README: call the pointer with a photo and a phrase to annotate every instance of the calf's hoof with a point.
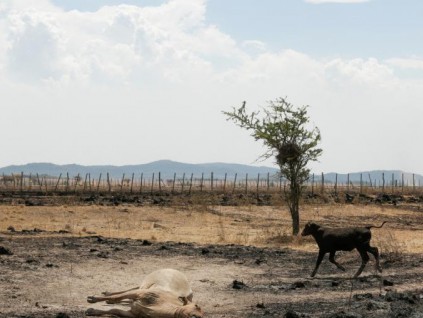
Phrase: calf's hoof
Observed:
(91, 299)
(90, 312)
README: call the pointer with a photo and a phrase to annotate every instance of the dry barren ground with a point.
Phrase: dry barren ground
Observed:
(241, 260)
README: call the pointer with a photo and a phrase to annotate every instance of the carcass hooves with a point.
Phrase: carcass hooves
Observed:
(91, 300)
(90, 312)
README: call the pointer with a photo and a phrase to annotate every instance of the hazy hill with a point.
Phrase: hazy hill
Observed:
(168, 168)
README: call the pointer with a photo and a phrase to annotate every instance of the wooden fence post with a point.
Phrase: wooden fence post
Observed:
(233, 190)
(76, 183)
(67, 182)
(121, 183)
(211, 181)
(108, 182)
(173, 184)
(258, 181)
(22, 177)
(183, 182)
(383, 182)
(402, 182)
(132, 182)
(268, 181)
(160, 182)
(57, 183)
(224, 183)
(190, 183)
(202, 179)
(336, 184)
(99, 182)
(348, 182)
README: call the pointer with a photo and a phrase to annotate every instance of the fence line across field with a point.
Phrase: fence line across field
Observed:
(188, 182)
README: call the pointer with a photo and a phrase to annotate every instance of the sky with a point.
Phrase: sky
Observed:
(121, 82)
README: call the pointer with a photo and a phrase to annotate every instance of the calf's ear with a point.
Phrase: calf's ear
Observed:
(184, 300)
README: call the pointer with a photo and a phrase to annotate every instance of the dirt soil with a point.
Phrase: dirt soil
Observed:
(48, 272)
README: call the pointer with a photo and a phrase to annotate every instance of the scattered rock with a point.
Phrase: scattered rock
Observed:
(260, 305)
(298, 284)
(236, 284)
(11, 229)
(387, 283)
(62, 315)
(205, 251)
(376, 305)
(103, 254)
(362, 296)
(146, 243)
(291, 314)
(5, 251)
(32, 261)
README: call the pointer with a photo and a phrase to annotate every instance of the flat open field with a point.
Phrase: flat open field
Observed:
(241, 260)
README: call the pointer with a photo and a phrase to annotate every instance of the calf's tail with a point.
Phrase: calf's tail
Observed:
(377, 227)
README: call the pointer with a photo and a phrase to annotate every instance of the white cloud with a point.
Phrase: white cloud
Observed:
(406, 63)
(128, 85)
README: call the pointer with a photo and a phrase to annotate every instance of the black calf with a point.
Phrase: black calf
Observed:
(331, 240)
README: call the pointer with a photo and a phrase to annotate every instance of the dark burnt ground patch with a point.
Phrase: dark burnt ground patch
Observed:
(272, 282)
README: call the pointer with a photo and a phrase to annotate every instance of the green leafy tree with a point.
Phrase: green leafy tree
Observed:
(288, 136)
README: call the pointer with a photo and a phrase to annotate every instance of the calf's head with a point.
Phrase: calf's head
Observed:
(310, 228)
(190, 311)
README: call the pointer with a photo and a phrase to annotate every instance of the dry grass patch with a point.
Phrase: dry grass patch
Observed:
(214, 224)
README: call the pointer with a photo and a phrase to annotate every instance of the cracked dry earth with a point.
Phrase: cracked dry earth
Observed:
(48, 275)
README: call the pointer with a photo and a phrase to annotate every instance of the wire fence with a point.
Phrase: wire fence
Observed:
(188, 183)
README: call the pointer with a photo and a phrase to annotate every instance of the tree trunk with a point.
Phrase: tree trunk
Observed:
(294, 202)
(295, 220)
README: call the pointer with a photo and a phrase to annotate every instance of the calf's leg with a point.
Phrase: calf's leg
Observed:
(375, 253)
(364, 259)
(106, 293)
(114, 312)
(332, 260)
(114, 298)
(319, 260)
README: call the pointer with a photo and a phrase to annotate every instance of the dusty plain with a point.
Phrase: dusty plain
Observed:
(241, 259)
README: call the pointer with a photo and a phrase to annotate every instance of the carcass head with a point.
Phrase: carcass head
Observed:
(190, 311)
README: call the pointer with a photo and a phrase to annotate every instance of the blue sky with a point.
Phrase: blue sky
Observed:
(127, 82)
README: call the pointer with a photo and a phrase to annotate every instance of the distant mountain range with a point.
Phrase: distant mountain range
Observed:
(168, 168)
